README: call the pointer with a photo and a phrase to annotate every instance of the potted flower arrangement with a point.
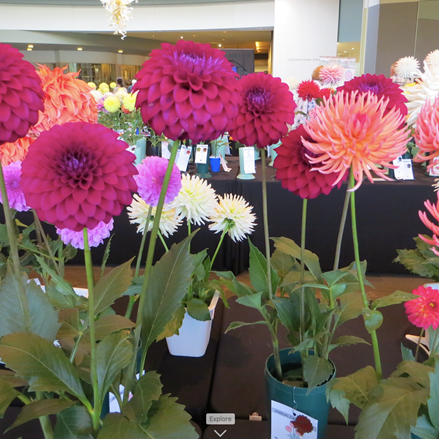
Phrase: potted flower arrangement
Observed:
(75, 176)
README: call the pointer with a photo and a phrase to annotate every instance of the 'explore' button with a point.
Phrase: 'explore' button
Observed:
(220, 418)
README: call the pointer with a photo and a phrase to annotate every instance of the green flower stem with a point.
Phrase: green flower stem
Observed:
(275, 343)
(75, 348)
(218, 247)
(46, 242)
(265, 218)
(133, 299)
(61, 258)
(376, 350)
(163, 242)
(344, 214)
(46, 426)
(189, 228)
(302, 269)
(13, 251)
(148, 264)
(91, 324)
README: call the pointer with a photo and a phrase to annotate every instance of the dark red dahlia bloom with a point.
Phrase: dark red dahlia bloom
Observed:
(302, 425)
(188, 91)
(266, 109)
(308, 90)
(78, 174)
(21, 95)
(294, 170)
(380, 86)
(325, 93)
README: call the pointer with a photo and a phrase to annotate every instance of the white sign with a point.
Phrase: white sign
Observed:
(165, 151)
(182, 159)
(288, 423)
(201, 154)
(404, 171)
(249, 160)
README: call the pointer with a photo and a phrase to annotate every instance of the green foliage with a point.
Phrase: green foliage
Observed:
(73, 423)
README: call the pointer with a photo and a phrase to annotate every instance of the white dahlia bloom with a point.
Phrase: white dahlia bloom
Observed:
(138, 214)
(196, 200)
(432, 59)
(292, 83)
(425, 90)
(407, 67)
(234, 215)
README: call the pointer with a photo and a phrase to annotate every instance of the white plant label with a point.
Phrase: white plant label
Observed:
(182, 158)
(288, 423)
(165, 151)
(404, 171)
(249, 159)
(201, 154)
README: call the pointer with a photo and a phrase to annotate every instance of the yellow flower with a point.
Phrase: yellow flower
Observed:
(103, 87)
(129, 101)
(113, 85)
(92, 85)
(112, 104)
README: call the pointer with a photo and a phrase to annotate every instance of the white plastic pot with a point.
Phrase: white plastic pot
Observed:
(194, 335)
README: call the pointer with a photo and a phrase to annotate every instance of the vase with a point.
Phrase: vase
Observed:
(140, 150)
(194, 335)
(313, 403)
(215, 164)
(242, 175)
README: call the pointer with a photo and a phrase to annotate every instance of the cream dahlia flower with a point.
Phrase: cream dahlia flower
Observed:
(233, 215)
(138, 214)
(407, 67)
(121, 93)
(196, 200)
(292, 83)
(432, 59)
(425, 90)
(96, 94)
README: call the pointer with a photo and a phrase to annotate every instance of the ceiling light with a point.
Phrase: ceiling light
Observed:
(225, 32)
(181, 37)
(29, 49)
(345, 51)
(79, 48)
(353, 48)
(219, 45)
(30, 45)
(194, 35)
(120, 51)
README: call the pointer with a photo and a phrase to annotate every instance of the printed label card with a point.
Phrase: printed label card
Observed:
(166, 154)
(249, 159)
(288, 423)
(201, 154)
(182, 159)
(404, 171)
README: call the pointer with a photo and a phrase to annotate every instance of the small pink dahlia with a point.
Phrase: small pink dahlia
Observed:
(21, 95)
(308, 90)
(150, 180)
(434, 211)
(187, 91)
(296, 172)
(78, 174)
(96, 236)
(266, 110)
(12, 174)
(332, 74)
(424, 311)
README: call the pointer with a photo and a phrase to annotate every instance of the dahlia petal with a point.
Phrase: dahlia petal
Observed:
(197, 99)
(180, 94)
(214, 106)
(61, 211)
(167, 84)
(201, 116)
(184, 109)
(5, 112)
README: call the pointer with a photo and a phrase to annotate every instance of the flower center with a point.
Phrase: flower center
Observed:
(76, 167)
(370, 86)
(14, 184)
(257, 99)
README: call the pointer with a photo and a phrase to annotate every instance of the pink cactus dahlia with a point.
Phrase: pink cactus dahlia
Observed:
(427, 132)
(267, 107)
(352, 129)
(78, 174)
(434, 211)
(21, 95)
(187, 91)
(424, 310)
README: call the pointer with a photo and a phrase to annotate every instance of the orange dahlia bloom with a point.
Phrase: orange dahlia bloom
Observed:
(67, 99)
(16, 151)
(427, 133)
(352, 130)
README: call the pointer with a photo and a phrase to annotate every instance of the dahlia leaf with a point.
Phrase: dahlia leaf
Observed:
(169, 281)
(258, 272)
(292, 280)
(198, 309)
(392, 299)
(107, 325)
(36, 409)
(392, 410)
(73, 423)
(252, 301)
(338, 401)
(235, 325)
(38, 360)
(282, 263)
(7, 395)
(417, 371)
(351, 306)
(372, 319)
(43, 318)
(146, 390)
(347, 340)
(174, 324)
(61, 285)
(332, 277)
(288, 311)
(316, 371)
(111, 286)
(113, 353)
(407, 354)
(425, 429)
(106, 255)
(239, 289)
(311, 260)
(433, 400)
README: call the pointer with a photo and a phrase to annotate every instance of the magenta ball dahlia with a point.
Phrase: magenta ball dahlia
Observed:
(380, 86)
(187, 91)
(296, 172)
(267, 107)
(21, 95)
(78, 174)
(150, 180)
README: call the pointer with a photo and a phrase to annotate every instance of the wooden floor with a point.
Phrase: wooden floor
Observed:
(384, 284)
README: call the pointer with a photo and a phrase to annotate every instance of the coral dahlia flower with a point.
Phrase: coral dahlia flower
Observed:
(187, 91)
(266, 109)
(427, 132)
(78, 174)
(66, 99)
(434, 211)
(352, 130)
(423, 312)
(295, 171)
(380, 86)
(308, 90)
(21, 95)
(13, 152)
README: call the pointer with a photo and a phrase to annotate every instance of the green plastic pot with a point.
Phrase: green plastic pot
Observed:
(313, 404)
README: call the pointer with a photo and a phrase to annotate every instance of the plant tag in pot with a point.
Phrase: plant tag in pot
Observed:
(249, 160)
(182, 158)
(287, 423)
(201, 154)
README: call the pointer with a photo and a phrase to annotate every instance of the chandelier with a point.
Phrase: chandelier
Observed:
(119, 12)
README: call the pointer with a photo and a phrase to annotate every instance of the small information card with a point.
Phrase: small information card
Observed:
(201, 154)
(166, 154)
(404, 171)
(182, 159)
(288, 423)
(249, 159)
